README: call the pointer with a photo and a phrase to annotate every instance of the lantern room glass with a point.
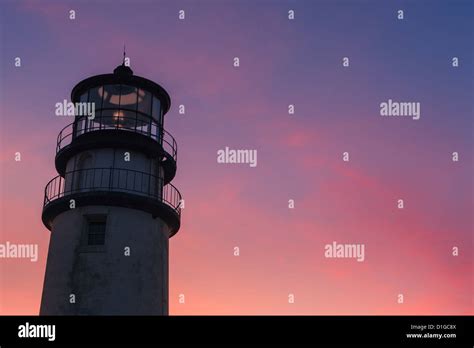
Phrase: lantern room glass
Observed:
(122, 106)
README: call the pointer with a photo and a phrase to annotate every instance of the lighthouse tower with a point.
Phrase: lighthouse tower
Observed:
(112, 209)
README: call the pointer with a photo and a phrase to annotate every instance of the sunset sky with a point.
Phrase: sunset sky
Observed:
(407, 251)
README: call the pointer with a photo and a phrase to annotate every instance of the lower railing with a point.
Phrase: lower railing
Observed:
(114, 180)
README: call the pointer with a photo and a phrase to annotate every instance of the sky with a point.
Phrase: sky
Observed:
(408, 251)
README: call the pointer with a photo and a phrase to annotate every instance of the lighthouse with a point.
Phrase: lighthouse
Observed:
(112, 208)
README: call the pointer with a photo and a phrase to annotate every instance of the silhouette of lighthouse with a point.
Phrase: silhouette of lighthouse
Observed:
(112, 209)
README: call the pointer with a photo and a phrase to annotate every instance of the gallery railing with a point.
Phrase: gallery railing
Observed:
(137, 123)
(112, 180)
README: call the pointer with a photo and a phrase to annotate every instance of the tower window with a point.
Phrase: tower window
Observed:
(96, 233)
(94, 228)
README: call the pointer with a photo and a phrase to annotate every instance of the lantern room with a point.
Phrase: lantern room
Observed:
(121, 100)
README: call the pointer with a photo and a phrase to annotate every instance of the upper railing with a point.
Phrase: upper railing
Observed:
(138, 123)
(112, 180)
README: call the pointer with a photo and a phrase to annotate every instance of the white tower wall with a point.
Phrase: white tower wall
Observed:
(101, 276)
